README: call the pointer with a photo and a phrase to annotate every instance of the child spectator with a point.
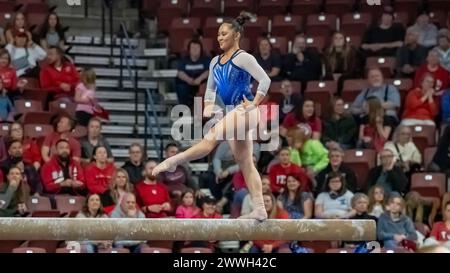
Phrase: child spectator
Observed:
(360, 203)
(85, 96)
(297, 203)
(394, 228)
(273, 212)
(209, 209)
(375, 127)
(8, 76)
(440, 233)
(119, 186)
(305, 114)
(377, 201)
(335, 201)
(99, 173)
(52, 33)
(187, 209)
(152, 196)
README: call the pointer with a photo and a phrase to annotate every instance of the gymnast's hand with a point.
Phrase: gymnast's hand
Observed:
(248, 105)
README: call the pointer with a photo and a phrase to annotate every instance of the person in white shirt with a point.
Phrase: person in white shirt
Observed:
(428, 32)
(443, 48)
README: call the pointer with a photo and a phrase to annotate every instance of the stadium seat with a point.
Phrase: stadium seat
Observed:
(340, 250)
(396, 250)
(423, 136)
(196, 250)
(25, 106)
(374, 10)
(61, 106)
(318, 42)
(46, 214)
(403, 86)
(352, 88)
(207, 43)
(37, 130)
(284, 250)
(35, 20)
(338, 7)
(428, 156)
(429, 184)
(409, 6)
(254, 29)
(317, 246)
(150, 7)
(355, 23)
(360, 161)
(402, 18)
(354, 40)
(4, 129)
(7, 9)
(7, 246)
(321, 92)
(205, 8)
(79, 132)
(320, 24)
(211, 27)
(439, 17)
(37, 118)
(168, 10)
(36, 203)
(69, 204)
(234, 7)
(114, 250)
(275, 87)
(386, 65)
(180, 30)
(49, 246)
(439, 5)
(155, 250)
(286, 25)
(28, 250)
(305, 7)
(270, 7)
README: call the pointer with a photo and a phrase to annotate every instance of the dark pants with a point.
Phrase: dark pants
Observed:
(186, 93)
(83, 117)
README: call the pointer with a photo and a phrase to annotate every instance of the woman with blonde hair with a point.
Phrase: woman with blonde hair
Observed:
(119, 187)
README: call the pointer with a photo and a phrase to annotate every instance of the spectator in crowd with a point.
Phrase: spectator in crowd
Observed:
(181, 179)
(308, 153)
(299, 204)
(247, 205)
(388, 175)
(440, 233)
(290, 100)
(305, 114)
(383, 39)
(406, 154)
(62, 174)
(19, 25)
(187, 208)
(135, 164)
(8, 76)
(427, 31)
(2, 37)
(13, 194)
(411, 55)
(99, 173)
(209, 211)
(273, 212)
(153, 197)
(31, 152)
(393, 226)
(433, 66)
(441, 159)
(127, 208)
(341, 60)
(25, 54)
(192, 72)
(386, 93)
(52, 33)
(85, 96)
(443, 48)
(377, 201)
(15, 159)
(360, 203)
(303, 64)
(336, 159)
(63, 127)
(119, 186)
(375, 127)
(422, 211)
(59, 76)
(335, 201)
(93, 208)
(7, 110)
(93, 139)
(339, 127)
(420, 105)
(445, 107)
(278, 172)
(269, 60)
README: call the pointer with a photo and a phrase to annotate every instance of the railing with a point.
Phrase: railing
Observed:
(148, 124)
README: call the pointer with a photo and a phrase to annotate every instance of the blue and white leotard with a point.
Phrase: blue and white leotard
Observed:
(231, 80)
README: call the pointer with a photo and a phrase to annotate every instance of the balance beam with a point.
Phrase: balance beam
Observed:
(168, 229)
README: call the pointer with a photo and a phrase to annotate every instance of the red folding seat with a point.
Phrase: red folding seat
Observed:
(429, 184)
(360, 161)
(61, 106)
(28, 250)
(286, 25)
(305, 7)
(37, 130)
(428, 156)
(352, 88)
(443, 5)
(205, 8)
(386, 65)
(320, 24)
(409, 6)
(318, 42)
(25, 106)
(271, 7)
(234, 7)
(180, 30)
(355, 23)
(255, 29)
(320, 92)
(168, 10)
(424, 136)
(4, 129)
(438, 17)
(338, 7)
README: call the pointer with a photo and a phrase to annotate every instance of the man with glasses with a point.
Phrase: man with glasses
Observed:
(135, 166)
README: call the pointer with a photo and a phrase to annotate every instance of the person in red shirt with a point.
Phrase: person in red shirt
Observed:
(59, 76)
(31, 150)
(434, 67)
(209, 209)
(274, 212)
(152, 196)
(63, 175)
(440, 233)
(278, 173)
(8, 75)
(420, 107)
(99, 173)
(63, 127)
(306, 114)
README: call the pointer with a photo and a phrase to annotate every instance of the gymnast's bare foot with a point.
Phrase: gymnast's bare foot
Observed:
(165, 166)
(257, 214)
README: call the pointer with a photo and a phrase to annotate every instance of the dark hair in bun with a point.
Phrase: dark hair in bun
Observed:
(237, 24)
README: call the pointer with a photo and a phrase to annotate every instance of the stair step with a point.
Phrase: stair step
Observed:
(101, 51)
(114, 83)
(129, 119)
(97, 41)
(118, 95)
(85, 60)
(128, 130)
(128, 106)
